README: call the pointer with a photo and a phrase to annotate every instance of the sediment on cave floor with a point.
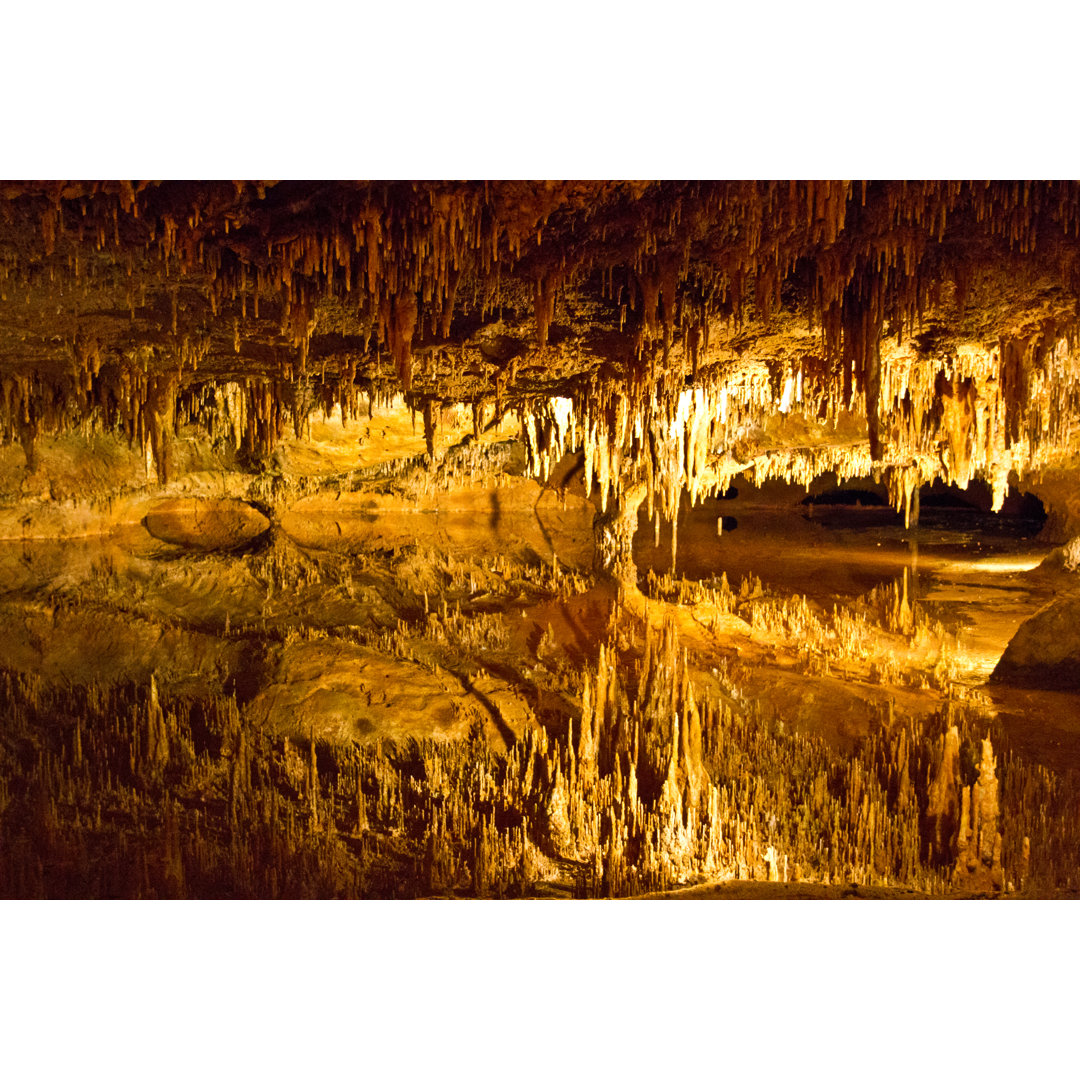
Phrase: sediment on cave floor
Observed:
(538, 540)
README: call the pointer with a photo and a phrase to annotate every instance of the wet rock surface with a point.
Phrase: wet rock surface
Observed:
(1045, 653)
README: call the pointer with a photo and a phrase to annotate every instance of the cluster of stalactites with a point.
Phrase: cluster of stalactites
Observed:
(676, 254)
(253, 415)
(983, 413)
(126, 397)
(947, 418)
(149, 393)
(145, 406)
(682, 251)
(667, 440)
(248, 415)
(398, 251)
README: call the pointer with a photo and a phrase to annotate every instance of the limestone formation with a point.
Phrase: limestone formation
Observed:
(1046, 650)
(451, 538)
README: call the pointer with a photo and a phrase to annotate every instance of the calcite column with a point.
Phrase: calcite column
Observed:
(160, 419)
(613, 531)
(26, 428)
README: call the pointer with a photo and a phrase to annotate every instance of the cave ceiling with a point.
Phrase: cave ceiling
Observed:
(677, 332)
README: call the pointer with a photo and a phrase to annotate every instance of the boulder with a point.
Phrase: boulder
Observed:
(205, 524)
(1045, 652)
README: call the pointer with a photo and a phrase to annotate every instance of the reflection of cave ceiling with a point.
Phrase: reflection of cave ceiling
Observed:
(678, 332)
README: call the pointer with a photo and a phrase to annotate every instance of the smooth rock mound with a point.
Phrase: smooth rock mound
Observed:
(205, 524)
(1044, 653)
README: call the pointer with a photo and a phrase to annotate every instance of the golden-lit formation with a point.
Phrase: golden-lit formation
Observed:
(538, 538)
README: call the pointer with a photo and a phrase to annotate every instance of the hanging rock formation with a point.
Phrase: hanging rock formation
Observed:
(944, 314)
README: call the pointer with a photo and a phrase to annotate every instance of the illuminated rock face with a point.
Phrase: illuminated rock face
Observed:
(1045, 653)
(368, 465)
(943, 314)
